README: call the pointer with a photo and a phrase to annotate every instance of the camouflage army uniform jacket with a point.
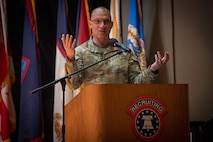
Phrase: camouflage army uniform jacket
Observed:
(120, 69)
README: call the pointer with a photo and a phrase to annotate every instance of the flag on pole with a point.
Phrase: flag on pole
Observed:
(30, 116)
(82, 35)
(60, 72)
(7, 78)
(135, 35)
(116, 18)
(82, 31)
(82, 28)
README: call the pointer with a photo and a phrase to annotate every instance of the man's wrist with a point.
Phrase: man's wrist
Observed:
(153, 71)
(70, 60)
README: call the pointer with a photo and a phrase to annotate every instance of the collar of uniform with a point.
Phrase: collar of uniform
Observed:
(97, 49)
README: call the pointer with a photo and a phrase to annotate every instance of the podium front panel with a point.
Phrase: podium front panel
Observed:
(99, 113)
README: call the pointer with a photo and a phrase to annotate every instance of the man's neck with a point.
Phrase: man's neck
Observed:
(104, 43)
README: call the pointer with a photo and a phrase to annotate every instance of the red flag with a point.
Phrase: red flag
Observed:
(7, 77)
(82, 30)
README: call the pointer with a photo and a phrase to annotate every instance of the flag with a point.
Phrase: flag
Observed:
(115, 16)
(7, 77)
(82, 29)
(135, 35)
(82, 34)
(30, 115)
(60, 72)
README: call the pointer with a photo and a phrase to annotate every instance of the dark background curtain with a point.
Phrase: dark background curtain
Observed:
(46, 11)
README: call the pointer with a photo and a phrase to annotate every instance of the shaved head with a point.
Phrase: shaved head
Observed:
(100, 9)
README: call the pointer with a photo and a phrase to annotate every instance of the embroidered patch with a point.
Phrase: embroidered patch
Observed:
(25, 63)
(147, 113)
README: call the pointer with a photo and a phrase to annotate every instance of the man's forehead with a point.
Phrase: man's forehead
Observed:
(99, 12)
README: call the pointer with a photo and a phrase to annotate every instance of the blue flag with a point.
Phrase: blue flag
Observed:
(135, 35)
(30, 116)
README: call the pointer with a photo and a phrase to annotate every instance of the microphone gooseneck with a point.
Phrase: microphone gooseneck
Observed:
(114, 42)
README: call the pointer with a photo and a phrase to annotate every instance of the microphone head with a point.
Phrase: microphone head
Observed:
(112, 42)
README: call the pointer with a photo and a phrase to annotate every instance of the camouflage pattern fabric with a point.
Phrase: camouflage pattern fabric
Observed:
(120, 69)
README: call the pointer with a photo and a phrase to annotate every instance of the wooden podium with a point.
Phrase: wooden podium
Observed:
(99, 113)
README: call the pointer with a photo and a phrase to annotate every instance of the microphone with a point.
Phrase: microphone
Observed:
(114, 43)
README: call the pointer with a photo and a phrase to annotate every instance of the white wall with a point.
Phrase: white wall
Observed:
(189, 42)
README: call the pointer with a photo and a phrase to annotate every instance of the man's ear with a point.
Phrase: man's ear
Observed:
(90, 24)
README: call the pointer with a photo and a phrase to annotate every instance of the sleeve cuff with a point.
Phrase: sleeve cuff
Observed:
(155, 72)
(70, 60)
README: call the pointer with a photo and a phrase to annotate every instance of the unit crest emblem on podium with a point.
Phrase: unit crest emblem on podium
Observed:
(147, 113)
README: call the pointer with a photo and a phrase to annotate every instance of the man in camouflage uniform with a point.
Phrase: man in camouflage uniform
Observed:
(120, 69)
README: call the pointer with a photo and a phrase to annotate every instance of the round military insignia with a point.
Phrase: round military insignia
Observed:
(147, 115)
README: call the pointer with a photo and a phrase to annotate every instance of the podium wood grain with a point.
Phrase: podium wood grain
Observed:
(99, 113)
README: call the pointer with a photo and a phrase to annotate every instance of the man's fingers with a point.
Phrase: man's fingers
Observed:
(73, 43)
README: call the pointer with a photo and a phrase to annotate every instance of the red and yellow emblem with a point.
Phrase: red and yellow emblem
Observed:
(147, 113)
